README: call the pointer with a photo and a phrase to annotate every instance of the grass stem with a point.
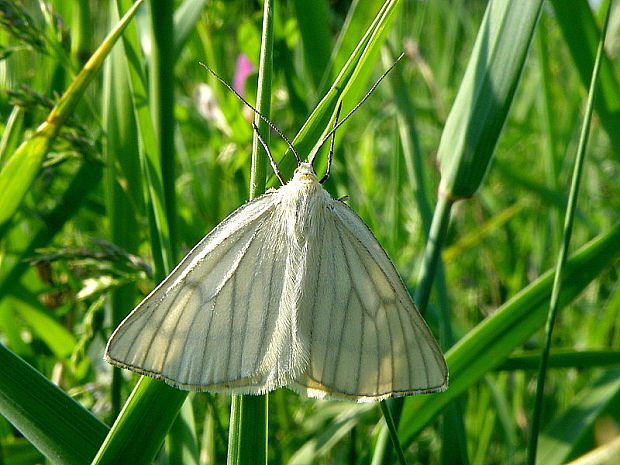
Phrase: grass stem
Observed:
(563, 253)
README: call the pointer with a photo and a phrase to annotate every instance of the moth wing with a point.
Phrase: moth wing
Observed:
(208, 324)
(366, 340)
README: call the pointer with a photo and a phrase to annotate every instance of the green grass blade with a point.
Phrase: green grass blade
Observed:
(11, 134)
(258, 175)
(566, 237)
(563, 359)
(391, 426)
(360, 16)
(57, 338)
(247, 443)
(312, 18)
(571, 433)
(488, 345)
(126, 437)
(161, 99)
(360, 60)
(485, 95)
(59, 427)
(20, 171)
(122, 179)
(581, 34)
(152, 407)
(181, 442)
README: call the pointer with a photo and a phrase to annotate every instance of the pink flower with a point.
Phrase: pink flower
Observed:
(242, 70)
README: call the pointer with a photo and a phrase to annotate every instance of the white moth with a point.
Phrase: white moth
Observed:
(292, 289)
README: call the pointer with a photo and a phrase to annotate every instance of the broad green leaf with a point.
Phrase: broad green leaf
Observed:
(64, 431)
(313, 22)
(485, 95)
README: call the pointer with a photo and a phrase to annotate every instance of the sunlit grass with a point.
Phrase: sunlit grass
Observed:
(90, 237)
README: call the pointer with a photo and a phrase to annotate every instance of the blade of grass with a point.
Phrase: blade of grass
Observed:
(59, 427)
(581, 34)
(161, 100)
(21, 169)
(313, 22)
(570, 434)
(563, 359)
(11, 134)
(121, 182)
(359, 61)
(247, 440)
(359, 18)
(490, 343)
(485, 95)
(566, 237)
(473, 128)
(181, 442)
(153, 405)
(57, 338)
(161, 93)
(391, 426)
(126, 441)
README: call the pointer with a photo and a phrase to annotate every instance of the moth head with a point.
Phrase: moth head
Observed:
(305, 174)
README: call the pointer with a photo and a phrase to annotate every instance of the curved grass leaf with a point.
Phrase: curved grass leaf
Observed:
(485, 95)
(490, 343)
(64, 431)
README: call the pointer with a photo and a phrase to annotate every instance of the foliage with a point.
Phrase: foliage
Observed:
(153, 152)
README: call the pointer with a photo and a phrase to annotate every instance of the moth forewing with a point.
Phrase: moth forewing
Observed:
(292, 289)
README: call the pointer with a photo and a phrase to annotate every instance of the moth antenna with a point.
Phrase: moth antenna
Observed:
(260, 115)
(274, 166)
(331, 147)
(359, 104)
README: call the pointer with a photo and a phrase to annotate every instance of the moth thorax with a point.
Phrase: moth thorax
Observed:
(302, 210)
